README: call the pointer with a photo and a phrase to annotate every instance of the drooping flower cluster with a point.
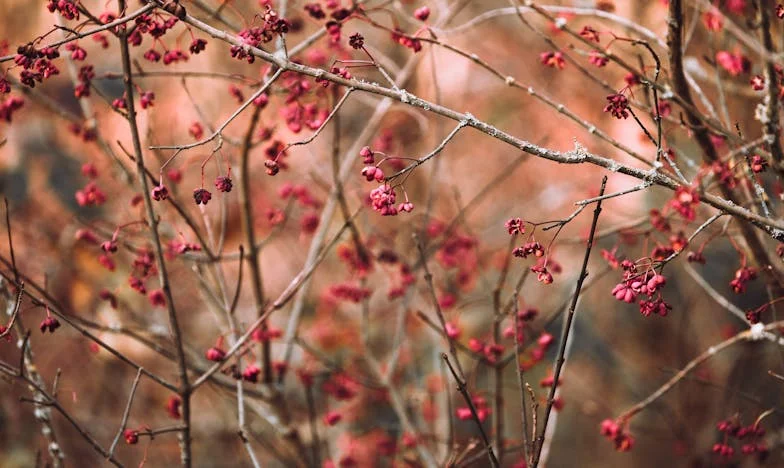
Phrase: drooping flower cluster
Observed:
(68, 8)
(742, 276)
(159, 192)
(529, 248)
(617, 105)
(36, 64)
(201, 196)
(49, 324)
(646, 283)
(382, 199)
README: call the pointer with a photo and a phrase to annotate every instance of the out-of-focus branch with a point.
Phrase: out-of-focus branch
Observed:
(772, 106)
(759, 331)
(184, 389)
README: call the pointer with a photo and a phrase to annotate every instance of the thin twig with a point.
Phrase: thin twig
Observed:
(461, 387)
(152, 219)
(127, 411)
(559, 360)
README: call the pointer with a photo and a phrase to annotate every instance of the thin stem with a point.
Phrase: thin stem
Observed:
(127, 411)
(752, 334)
(184, 390)
(256, 281)
(461, 387)
(560, 359)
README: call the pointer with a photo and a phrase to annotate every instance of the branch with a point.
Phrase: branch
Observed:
(774, 228)
(461, 387)
(106, 26)
(757, 332)
(559, 360)
(127, 411)
(184, 390)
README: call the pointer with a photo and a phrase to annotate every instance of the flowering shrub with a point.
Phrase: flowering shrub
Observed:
(282, 233)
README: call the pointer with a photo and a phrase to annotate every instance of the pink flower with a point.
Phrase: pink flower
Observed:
(624, 292)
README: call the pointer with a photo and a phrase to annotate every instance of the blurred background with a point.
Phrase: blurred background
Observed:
(616, 356)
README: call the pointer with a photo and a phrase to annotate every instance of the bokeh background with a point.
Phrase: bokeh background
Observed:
(617, 356)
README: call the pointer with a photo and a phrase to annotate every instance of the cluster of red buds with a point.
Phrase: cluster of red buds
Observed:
(616, 433)
(422, 13)
(253, 37)
(90, 195)
(332, 418)
(721, 170)
(251, 373)
(543, 275)
(36, 64)
(598, 59)
(735, 63)
(68, 8)
(382, 199)
(262, 335)
(480, 405)
(407, 41)
(755, 315)
(349, 292)
(529, 248)
(491, 351)
(750, 438)
(685, 202)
